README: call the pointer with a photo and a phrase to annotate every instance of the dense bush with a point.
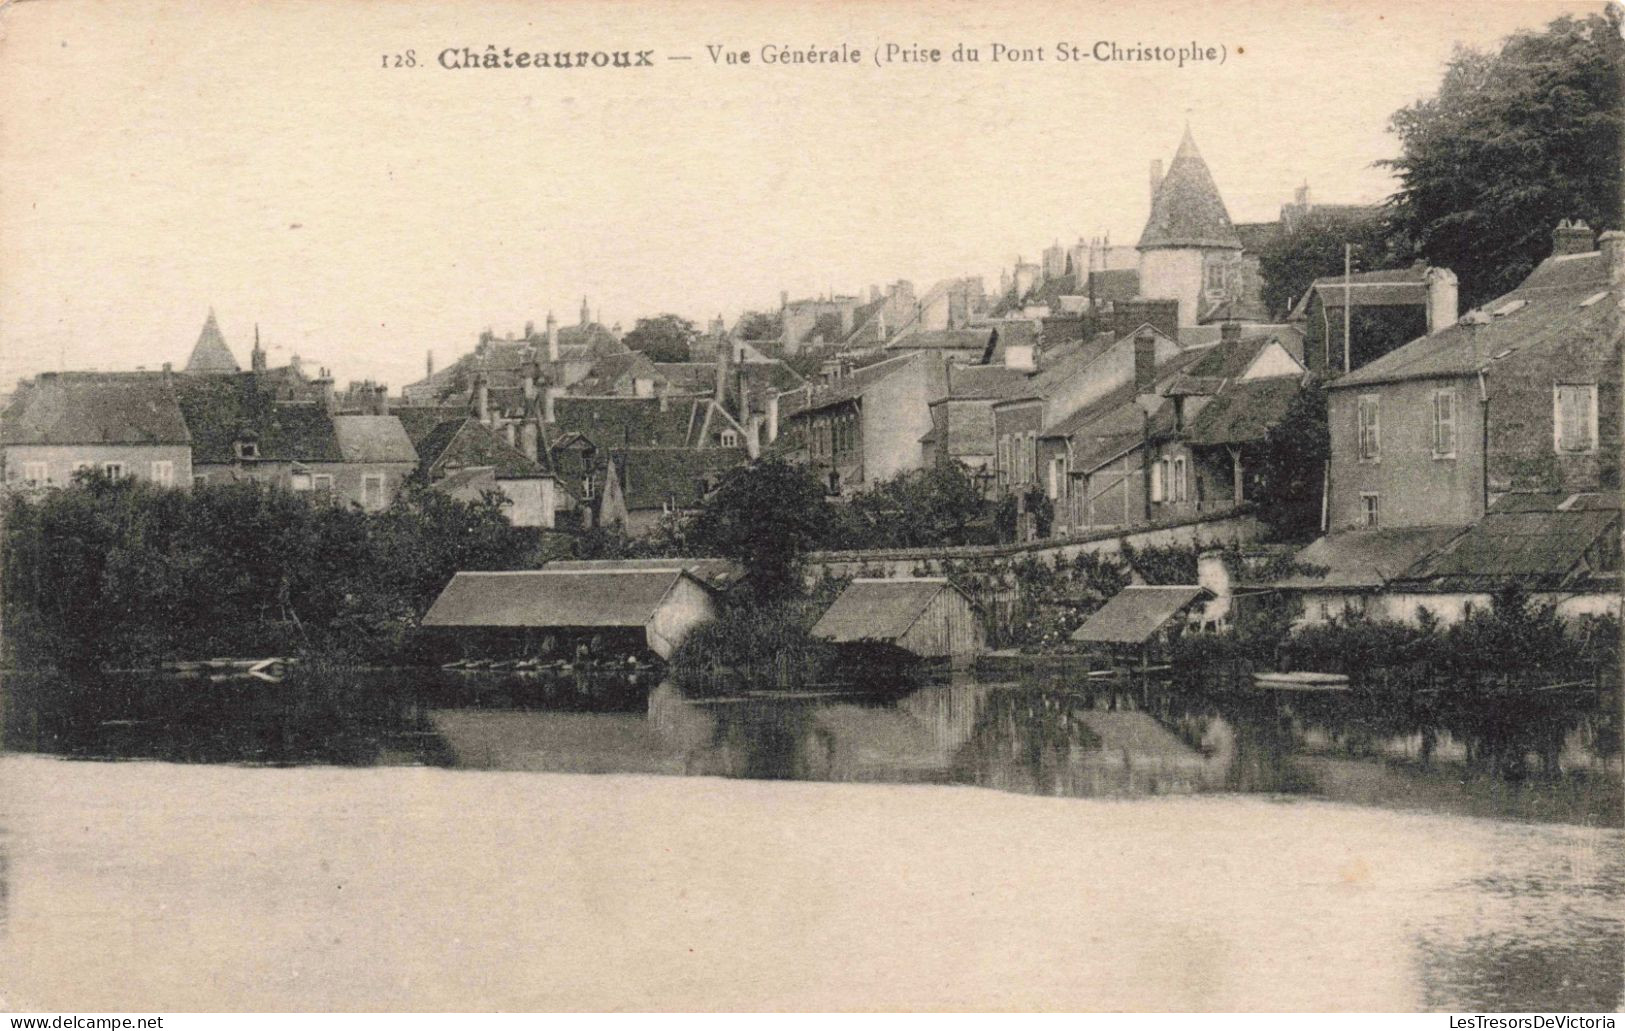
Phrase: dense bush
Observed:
(123, 574)
(759, 645)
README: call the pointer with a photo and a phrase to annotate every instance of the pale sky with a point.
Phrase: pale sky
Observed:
(160, 158)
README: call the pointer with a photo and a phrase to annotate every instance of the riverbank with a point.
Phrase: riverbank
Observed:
(150, 886)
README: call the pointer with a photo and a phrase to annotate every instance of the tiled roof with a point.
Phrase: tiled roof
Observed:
(373, 438)
(612, 422)
(1537, 549)
(608, 370)
(719, 573)
(553, 598)
(1134, 614)
(467, 442)
(95, 408)
(1116, 423)
(654, 477)
(222, 410)
(1187, 210)
(1244, 412)
(984, 381)
(878, 610)
(420, 421)
(1366, 558)
(1114, 284)
(1553, 315)
(210, 353)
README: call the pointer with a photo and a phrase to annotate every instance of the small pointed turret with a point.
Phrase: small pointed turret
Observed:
(210, 353)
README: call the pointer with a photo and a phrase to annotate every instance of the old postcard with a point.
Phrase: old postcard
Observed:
(900, 506)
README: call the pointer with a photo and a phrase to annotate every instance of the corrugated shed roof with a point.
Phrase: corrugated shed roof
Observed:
(222, 410)
(1187, 210)
(1134, 614)
(1535, 549)
(95, 408)
(1244, 412)
(878, 610)
(549, 598)
(210, 353)
(1367, 558)
(1551, 317)
(373, 438)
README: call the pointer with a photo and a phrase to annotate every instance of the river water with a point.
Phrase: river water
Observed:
(412, 841)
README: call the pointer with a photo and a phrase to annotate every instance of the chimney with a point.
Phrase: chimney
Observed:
(1572, 238)
(742, 384)
(482, 398)
(753, 437)
(552, 338)
(724, 360)
(528, 434)
(784, 299)
(533, 372)
(586, 317)
(380, 400)
(1156, 177)
(1443, 309)
(547, 403)
(1145, 362)
(428, 364)
(772, 422)
(1229, 332)
(324, 389)
(1613, 255)
(1020, 357)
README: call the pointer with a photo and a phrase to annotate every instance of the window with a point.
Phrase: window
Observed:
(372, 491)
(322, 483)
(1444, 423)
(1159, 480)
(1369, 428)
(730, 438)
(36, 473)
(1180, 487)
(247, 449)
(114, 470)
(1370, 511)
(1004, 459)
(1215, 275)
(299, 481)
(1574, 417)
(1032, 457)
(163, 474)
(1057, 478)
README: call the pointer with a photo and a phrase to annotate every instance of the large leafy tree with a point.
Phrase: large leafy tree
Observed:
(1513, 142)
(1293, 260)
(664, 338)
(767, 516)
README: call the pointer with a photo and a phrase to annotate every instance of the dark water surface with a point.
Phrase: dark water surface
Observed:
(1473, 838)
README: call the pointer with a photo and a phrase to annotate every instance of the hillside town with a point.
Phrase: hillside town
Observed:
(1102, 392)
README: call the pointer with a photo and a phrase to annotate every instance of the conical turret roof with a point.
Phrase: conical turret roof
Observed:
(1187, 210)
(211, 354)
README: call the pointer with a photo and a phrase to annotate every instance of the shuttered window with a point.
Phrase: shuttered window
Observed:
(1369, 428)
(1574, 417)
(1444, 423)
(1159, 479)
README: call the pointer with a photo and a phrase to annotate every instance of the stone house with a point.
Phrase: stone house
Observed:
(1520, 396)
(122, 424)
(461, 456)
(865, 425)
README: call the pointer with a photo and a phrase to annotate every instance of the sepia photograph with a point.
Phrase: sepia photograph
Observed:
(909, 507)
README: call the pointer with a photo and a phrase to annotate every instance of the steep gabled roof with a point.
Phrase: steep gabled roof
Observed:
(1244, 412)
(222, 410)
(373, 438)
(654, 477)
(95, 408)
(1187, 210)
(1566, 300)
(210, 353)
(467, 442)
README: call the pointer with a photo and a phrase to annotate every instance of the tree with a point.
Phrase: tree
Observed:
(760, 325)
(664, 338)
(1291, 261)
(766, 516)
(1291, 466)
(935, 507)
(1513, 142)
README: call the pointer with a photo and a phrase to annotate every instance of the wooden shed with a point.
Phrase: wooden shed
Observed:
(622, 608)
(925, 617)
(1137, 620)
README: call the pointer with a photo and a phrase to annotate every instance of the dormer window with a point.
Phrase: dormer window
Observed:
(248, 449)
(730, 438)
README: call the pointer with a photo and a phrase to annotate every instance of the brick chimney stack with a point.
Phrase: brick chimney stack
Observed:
(1572, 238)
(1444, 308)
(1145, 362)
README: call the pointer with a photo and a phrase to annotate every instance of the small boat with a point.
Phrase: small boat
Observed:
(1301, 681)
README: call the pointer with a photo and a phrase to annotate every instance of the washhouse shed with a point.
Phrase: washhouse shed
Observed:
(1140, 621)
(609, 610)
(926, 617)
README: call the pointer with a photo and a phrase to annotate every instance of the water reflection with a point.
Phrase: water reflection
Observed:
(1545, 757)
